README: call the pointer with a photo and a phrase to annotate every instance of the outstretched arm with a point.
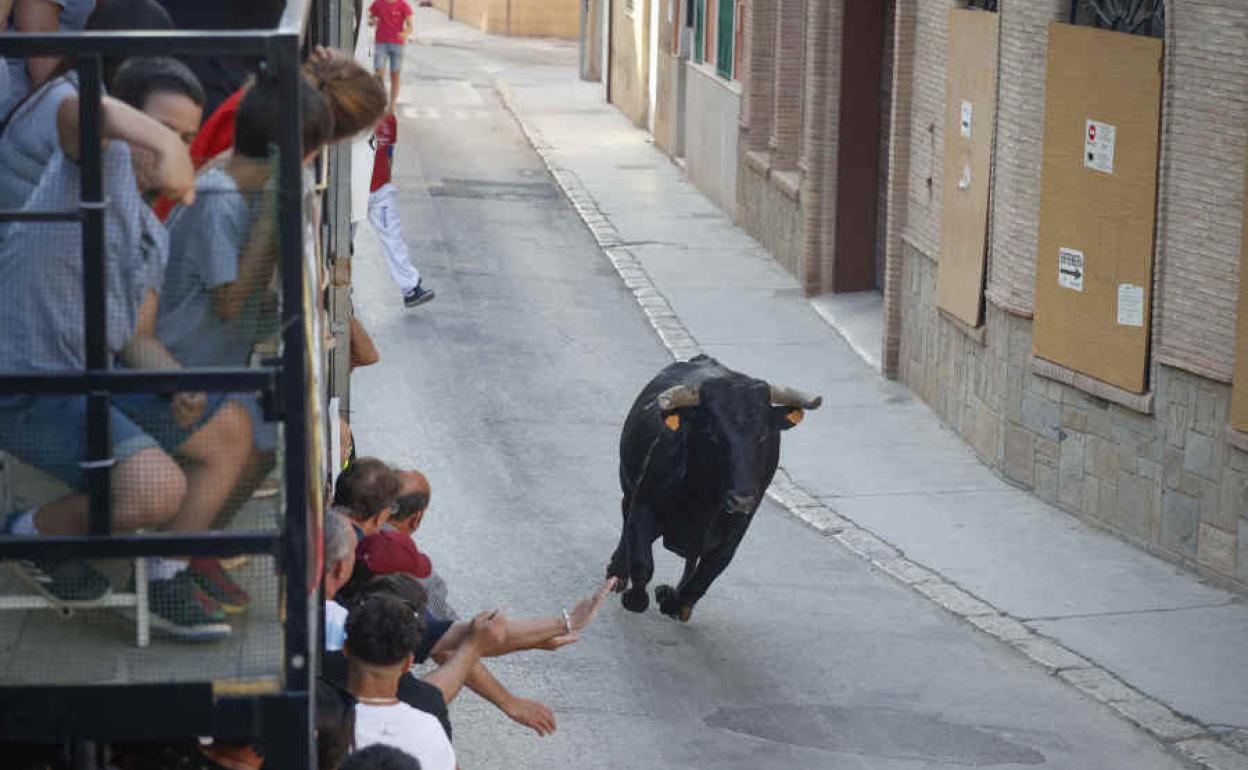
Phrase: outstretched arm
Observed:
(485, 632)
(548, 633)
(530, 713)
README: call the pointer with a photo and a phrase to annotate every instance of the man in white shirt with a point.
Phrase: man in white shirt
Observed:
(382, 631)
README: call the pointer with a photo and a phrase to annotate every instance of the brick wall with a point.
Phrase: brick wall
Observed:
(1015, 216)
(1206, 135)
(1165, 479)
(927, 130)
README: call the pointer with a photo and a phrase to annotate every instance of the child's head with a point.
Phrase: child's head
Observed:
(356, 96)
(256, 126)
(165, 89)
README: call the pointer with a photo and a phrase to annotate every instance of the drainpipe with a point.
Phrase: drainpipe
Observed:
(818, 95)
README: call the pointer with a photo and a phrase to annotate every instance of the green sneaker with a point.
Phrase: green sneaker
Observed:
(178, 608)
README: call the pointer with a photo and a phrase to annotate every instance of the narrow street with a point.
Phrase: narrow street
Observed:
(509, 391)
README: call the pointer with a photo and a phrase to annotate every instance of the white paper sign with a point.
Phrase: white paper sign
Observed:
(1130, 305)
(1098, 146)
(1070, 269)
(965, 121)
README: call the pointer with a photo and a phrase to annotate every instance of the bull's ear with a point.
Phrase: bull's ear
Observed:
(672, 421)
(785, 417)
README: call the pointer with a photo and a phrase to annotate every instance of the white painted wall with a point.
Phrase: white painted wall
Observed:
(712, 107)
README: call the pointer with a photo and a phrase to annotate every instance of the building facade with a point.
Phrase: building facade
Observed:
(1052, 215)
(524, 18)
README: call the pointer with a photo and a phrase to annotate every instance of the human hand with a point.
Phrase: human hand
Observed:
(489, 632)
(188, 408)
(324, 54)
(533, 715)
(167, 168)
(583, 612)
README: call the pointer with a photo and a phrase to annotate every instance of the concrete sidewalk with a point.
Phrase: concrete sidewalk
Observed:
(875, 468)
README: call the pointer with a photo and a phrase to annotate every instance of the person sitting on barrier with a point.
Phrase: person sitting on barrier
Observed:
(394, 548)
(213, 302)
(428, 696)
(382, 632)
(28, 133)
(42, 311)
(368, 493)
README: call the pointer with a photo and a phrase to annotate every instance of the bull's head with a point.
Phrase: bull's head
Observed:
(740, 419)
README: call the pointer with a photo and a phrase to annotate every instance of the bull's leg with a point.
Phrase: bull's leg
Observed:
(666, 596)
(709, 567)
(640, 532)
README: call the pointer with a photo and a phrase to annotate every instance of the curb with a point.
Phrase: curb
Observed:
(1188, 738)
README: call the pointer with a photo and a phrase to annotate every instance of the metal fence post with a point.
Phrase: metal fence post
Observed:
(99, 462)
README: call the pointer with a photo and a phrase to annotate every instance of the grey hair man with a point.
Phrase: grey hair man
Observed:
(340, 542)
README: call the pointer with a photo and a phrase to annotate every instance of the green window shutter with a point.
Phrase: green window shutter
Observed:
(699, 30)
(726, 32)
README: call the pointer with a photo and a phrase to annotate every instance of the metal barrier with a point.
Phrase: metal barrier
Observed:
(278, 715)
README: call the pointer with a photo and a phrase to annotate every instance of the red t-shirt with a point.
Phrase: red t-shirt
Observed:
(384, 137)
(390, 17)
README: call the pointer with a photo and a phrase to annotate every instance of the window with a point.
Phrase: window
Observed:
(1145, 17)
(725, 37)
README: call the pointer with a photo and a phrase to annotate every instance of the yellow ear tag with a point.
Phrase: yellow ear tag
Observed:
(672, 421)
(796, 416)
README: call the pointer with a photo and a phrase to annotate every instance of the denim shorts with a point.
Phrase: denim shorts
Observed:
(388, 52)
(154, 414)
(50, 433)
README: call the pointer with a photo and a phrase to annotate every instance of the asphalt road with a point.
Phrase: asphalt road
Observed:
(509, 391)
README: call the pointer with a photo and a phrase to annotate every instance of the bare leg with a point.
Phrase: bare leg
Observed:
(218, 453)
(148, 488)
(259, 464)
(394, 87)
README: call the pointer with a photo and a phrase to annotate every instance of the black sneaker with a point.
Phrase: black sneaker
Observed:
(67, 582)
(418, 296)
(180, 609)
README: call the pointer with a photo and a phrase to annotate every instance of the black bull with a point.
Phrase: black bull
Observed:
(698, 450)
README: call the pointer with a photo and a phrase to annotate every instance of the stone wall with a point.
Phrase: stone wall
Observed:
(770, 213)
(1167, 481)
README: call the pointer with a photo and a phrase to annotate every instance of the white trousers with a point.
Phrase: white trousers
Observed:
(383, 212)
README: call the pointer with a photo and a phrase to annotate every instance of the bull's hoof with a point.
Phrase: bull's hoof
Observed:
(635, 600)
(670, 605)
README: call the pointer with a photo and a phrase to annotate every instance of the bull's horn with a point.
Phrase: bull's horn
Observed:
(796, 398)
(678, 396)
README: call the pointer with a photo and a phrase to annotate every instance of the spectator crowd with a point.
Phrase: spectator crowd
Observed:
(190, 258)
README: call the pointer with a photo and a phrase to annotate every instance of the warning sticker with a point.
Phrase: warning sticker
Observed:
(965, 121)
(1098, 146)
(1130, 305)
(1070, 269)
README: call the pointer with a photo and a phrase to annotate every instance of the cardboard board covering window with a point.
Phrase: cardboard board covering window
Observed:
(970, 117)
(1094, 266)
(1239, 396)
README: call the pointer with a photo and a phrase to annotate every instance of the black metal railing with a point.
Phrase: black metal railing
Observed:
(1135, 17)
(281, 720)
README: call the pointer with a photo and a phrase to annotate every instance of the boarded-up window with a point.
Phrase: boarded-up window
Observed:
(970, 116)
(1098, 196)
